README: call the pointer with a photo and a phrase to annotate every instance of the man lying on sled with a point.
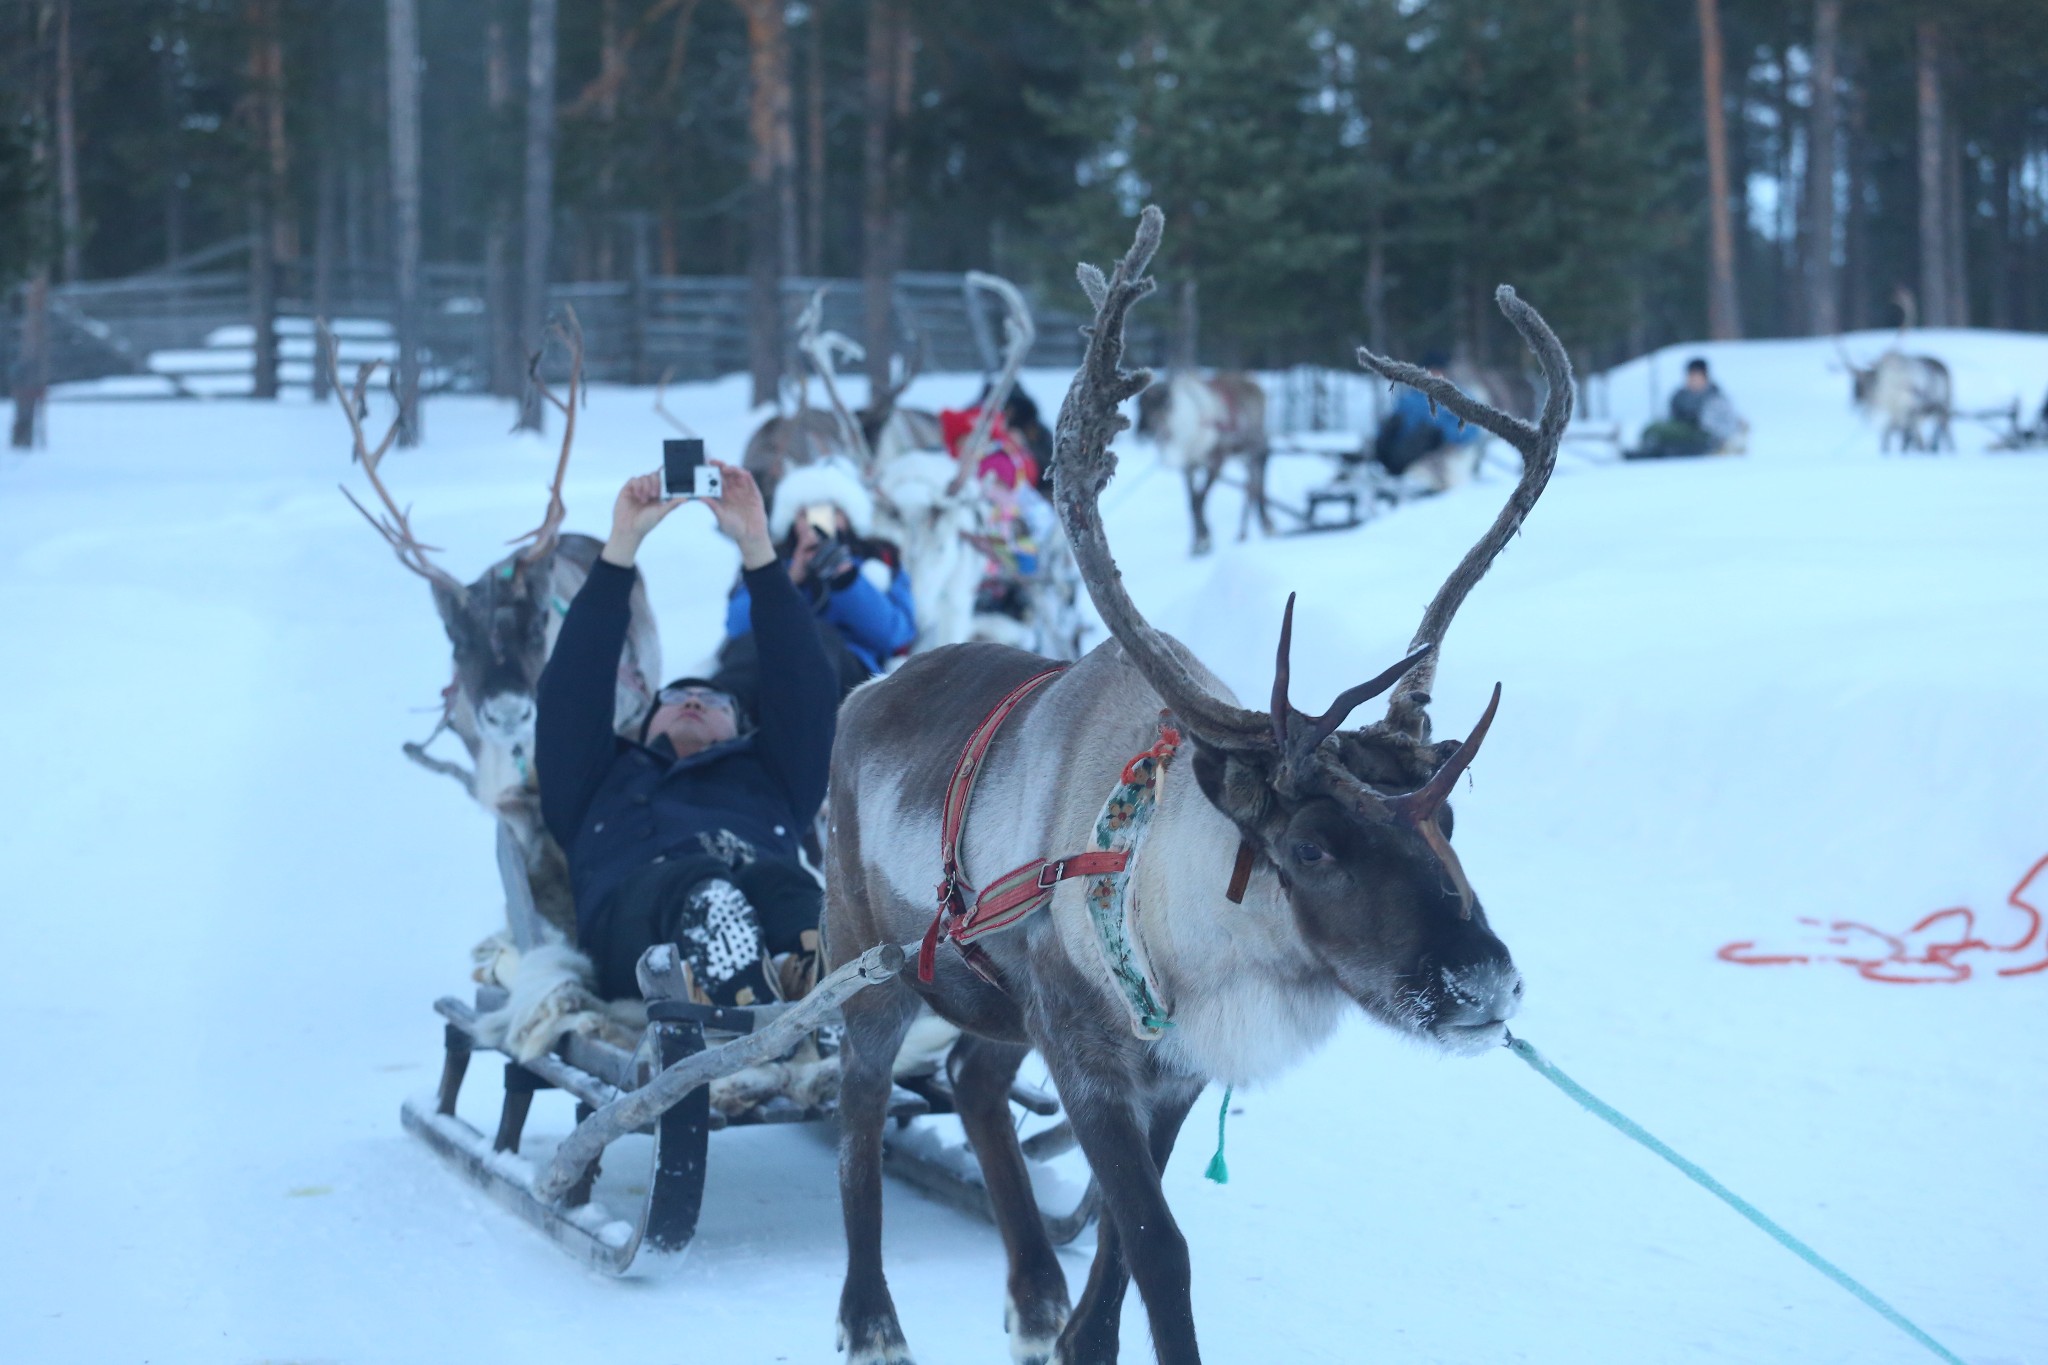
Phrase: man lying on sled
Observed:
(690, 835)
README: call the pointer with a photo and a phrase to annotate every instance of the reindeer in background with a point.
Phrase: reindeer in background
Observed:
(1911, 393)
(502, 627)
(1201, 424)
(1296, 869)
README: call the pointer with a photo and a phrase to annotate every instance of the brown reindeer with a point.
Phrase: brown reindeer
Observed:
(1304, 869)
(1202, 423)
(502, 627)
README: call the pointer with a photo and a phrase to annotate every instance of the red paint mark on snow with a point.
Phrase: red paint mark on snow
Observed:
(1932, 951)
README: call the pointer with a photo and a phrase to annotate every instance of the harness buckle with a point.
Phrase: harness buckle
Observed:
(1051, 873)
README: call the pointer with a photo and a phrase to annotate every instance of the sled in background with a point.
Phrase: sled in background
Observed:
(661, 1086)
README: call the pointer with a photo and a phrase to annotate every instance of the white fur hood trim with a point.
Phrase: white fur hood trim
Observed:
(832, 481)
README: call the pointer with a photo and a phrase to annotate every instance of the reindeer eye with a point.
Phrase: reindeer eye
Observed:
(1306, 852)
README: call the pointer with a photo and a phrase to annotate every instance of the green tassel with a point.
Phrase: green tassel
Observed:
(1219, 1170)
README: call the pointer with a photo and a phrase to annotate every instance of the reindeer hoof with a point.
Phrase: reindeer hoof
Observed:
(875, 1343)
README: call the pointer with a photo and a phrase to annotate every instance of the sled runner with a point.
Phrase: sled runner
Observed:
(662, 1086)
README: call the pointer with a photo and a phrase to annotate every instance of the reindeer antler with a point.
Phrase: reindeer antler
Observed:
(1083, 464)
(544, 535)
(1019, 331)
(396, 525)
(824, 350)
(1537, 443)
(661, 392)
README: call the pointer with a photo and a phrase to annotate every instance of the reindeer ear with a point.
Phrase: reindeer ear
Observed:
(451, 603)
(1240, 784)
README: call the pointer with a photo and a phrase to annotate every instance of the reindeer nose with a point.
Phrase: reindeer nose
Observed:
(1484, 995)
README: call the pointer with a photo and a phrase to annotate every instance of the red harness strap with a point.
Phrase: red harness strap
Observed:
(1012, 896)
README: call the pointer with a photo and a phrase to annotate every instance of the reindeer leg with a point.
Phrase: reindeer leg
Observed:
(1254, 497)
(876, 1021)
(1198, 493)
(1127, 1150)
(1037, 1308)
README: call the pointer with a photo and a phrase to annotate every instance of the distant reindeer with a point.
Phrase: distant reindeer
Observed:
(1204, 423)
(1912, 393)
(502, 627)
(1293, 869)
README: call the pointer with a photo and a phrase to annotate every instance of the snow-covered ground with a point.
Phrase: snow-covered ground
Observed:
(1805, 684)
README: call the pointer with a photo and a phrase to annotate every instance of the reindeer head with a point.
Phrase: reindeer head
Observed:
(1356, 823)
(500, 625)
(1862, 378)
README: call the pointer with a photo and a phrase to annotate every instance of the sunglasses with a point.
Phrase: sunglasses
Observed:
(703, 696)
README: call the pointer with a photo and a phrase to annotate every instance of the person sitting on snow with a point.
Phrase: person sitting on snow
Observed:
(1415, 431)
(1702, 421)
(690, 835)
(856, 586)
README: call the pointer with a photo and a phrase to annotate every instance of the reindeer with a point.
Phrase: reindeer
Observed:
(926, 503)
(1303, 869)
(1910, 392)
(1202, 424)
(1905, 390)
(502, 627)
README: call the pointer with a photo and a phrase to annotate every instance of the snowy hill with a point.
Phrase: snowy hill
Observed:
(1806, 684)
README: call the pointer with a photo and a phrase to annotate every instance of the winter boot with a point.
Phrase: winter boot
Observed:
(720, 943)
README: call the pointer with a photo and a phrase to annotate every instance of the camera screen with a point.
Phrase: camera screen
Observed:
(680, 461)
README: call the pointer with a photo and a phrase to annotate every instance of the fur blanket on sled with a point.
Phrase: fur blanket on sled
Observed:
(550, 997)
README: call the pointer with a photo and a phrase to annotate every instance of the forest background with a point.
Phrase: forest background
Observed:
(1336, 171)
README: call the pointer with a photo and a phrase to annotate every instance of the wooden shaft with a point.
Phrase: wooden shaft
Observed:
(630, 1112)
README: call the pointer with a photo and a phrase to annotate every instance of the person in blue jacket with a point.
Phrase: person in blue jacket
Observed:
(856, 586)
(1412, 431)
(689, 834)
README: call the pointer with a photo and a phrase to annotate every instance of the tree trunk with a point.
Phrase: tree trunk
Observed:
(501, 282)
(1934, 301)
(326, 207)
(1724, 314)
(771, 246)
(266, 199)
(882, 162)
(403, 67)
(814, 143)
(611, 79)
(70, 221)
(540, 195)
(1823, 317)
(1376, 290)
(32, 365)
(1857, 288)
(1953, 234)
(1187, 324)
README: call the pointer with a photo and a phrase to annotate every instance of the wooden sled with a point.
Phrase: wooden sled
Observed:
(662, 1088)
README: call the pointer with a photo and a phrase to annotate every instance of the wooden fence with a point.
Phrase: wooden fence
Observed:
(195, 319)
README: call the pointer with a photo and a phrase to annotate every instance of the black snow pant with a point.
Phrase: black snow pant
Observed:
(654, 906)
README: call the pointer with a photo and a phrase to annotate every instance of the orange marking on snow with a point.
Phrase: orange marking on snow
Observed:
(1930, 952)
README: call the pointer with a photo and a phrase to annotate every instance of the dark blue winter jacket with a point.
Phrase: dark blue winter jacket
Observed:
(874, 624)
(616, 806)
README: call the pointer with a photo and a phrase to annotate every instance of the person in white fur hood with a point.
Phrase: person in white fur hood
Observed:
(822, 520)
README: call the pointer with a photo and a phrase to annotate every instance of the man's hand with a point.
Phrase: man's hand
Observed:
(638, 510)
(741, 516)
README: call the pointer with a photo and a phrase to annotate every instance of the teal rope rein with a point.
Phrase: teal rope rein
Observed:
(1601, 1109)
